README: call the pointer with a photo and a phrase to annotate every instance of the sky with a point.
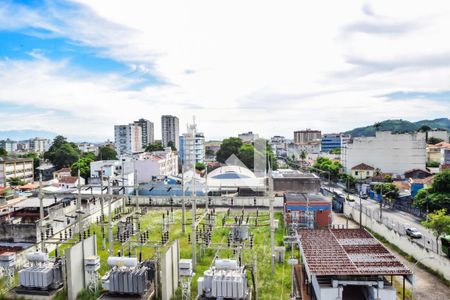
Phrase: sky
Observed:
(78, 67)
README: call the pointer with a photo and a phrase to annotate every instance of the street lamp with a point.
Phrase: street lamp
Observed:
(413, 269)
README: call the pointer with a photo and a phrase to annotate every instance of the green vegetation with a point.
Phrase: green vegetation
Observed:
(106, 153)
(433, 164)
(389, 191)
(84, 165)
(438, 222)
(62, 153)
(200, 166)
(269, 286)
(171, 144)
(335, 151)
(3, 152)
(245, 152)
(436, 197)
(399, 126)
(157, 146)
(434, 141)
(16, 181)
(331, 167)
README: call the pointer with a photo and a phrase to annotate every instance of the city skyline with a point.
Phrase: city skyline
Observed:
(94, 65)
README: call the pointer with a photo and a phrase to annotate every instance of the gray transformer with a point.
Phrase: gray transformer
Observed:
(41, 275)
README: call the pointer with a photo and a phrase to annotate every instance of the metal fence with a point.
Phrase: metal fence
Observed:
(400, 229)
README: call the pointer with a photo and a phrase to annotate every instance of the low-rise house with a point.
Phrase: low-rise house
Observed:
(47, 170)
(363, 171)
(417, 174)
(64, 172)
(418, 184)
(70, 182)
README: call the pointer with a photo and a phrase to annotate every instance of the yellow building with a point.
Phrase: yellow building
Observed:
(363, 171)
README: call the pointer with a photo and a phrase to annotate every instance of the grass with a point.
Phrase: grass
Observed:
(269, 286)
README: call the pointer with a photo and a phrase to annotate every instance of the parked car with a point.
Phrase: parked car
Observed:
(413, 232)
(364, 196)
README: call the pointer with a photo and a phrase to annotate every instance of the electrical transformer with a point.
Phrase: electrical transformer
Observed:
(41, 273)
(127, 276)
(226, 279)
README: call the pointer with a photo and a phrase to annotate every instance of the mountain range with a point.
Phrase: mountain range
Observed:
(400, 126)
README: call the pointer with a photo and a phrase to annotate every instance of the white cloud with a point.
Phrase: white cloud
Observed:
(267, 66)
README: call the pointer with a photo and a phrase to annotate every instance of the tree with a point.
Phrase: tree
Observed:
(438, 222)
(389, 191)
(171, 144)
(441, 182)
(303, 155)
(200, 166)
(433, 164)
(84, 165)
(62, 153)
(228, 147)
(106, 153)
(65, 156)
(348, 180)
(247, 155)
(3, 152)
(331, 167)
(433, 141)
(154, 147)
(377, 126)
(16, 181)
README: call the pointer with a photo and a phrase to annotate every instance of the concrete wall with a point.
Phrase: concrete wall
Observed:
(169, 271)
(392, 153)
(439, 263)
(18, 233)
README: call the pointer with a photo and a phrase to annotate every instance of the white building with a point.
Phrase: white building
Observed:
(170, 130)
(147, 165)
(391, 153)
(128, 139)
(155, 164)
(248, 137)
(192, 146)
(148, 131)
(88, 148)
(39, 145)
(9, 145)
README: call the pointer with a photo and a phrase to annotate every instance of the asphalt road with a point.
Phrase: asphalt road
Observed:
(402, 218)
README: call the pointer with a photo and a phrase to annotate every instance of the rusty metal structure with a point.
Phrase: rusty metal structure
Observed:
(336, 259)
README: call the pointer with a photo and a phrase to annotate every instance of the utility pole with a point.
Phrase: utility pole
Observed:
(183, 199)
(79, 212)
(110, 234)
(41, 211)
(381, 204)
(272, 222)
(194, 204)
(102, 210)
(136, 188)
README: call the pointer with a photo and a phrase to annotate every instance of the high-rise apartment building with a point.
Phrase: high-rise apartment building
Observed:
(148, 131)
(192, 146)
(307, 136)
(39, 145)
(128, 139)
(170, 130)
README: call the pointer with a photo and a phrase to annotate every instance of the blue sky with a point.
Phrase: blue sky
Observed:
(79, 67)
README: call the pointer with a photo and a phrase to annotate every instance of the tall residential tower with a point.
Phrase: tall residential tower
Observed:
(170, 131)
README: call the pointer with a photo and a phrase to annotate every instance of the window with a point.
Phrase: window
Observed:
(356, 173)
(367, 173)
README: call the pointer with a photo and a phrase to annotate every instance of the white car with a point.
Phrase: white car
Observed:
(413, 232)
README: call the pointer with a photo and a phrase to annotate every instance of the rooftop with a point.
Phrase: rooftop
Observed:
(8, 159)
(68, 179)
(301, 197)
(63, 170)
(347, 252)
(363, 166)
(288, 173)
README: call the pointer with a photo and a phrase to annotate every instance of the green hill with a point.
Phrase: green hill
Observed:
(400, 126)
